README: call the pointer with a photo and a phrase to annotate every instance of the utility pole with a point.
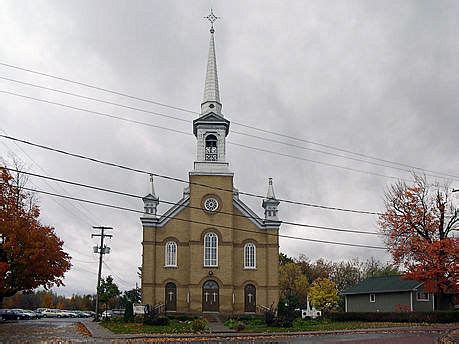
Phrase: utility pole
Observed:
(102, 249)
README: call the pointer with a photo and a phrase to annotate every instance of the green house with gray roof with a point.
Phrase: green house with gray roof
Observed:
(388, 294)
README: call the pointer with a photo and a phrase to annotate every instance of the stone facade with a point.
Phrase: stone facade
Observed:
(187, 229)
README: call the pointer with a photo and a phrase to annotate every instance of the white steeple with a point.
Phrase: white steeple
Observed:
(211, 98)
(211, 128)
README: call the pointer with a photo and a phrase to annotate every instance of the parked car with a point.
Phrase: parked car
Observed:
(20, 314)
(32, 314)
(51, 313)
(7, 314)
(81, 314)
(66, 314)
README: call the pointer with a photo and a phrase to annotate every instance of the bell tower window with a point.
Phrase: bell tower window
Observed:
(211, 148)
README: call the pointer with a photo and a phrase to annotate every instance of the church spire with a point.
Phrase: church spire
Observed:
(211, 98)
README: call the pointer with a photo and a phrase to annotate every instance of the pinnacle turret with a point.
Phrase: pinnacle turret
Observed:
(270, 203)
(151, 201)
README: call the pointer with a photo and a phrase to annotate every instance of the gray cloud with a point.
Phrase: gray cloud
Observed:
(377, 78)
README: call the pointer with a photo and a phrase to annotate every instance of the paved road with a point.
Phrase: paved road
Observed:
(40, 330)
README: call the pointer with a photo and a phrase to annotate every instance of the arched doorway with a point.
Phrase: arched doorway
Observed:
(210, 297)
(250, 298)
(170, 297)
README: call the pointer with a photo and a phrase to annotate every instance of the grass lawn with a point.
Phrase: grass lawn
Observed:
(299, 325)
(174, 326)
(254, 325)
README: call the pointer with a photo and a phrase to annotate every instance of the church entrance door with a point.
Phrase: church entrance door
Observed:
(170, 297)
(210, 297)
(250, 297)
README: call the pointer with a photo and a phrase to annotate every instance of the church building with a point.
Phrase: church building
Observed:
(210, 252)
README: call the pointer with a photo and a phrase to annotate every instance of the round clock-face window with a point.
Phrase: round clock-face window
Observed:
(211, 204)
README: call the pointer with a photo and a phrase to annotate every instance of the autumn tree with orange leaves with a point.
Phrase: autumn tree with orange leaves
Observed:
(419, 223)
(31, 253)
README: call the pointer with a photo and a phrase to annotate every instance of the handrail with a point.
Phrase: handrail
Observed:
(158, 308)
(262, 308)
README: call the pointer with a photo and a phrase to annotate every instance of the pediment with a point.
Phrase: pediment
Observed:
(211, 117)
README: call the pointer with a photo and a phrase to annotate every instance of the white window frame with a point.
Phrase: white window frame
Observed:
(372, 297)
(170, 257)
(246, 257)
(211, 261)
(422, 300)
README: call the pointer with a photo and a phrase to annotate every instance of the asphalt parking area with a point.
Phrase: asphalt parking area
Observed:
(40, 330)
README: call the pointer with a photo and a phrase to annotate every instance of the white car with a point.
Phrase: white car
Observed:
(53, 313)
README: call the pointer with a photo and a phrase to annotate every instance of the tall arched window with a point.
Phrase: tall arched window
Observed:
(250, 256)
(210, 249)
(171, 254)
(211, 148)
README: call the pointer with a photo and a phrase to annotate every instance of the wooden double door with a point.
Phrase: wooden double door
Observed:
(250, 298)
(170, 297)
(210, 297)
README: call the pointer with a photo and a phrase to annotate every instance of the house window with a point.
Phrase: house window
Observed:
(250, 257)
(210, 249)
(372, 298)
(171, 254)
(422, 296)
(211, 148)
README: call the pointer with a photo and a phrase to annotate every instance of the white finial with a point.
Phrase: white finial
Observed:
(270, 193)
(152, 185)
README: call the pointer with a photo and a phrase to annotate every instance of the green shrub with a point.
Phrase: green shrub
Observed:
(270, 316)
(181, 317)
(412, 317)
(240, 326)
(230, 323)
(160, 320)
(199, 325)
(128, 312)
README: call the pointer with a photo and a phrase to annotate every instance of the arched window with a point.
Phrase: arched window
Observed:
(171, 254)
(210, 249)
(211, 148)
(250, 256)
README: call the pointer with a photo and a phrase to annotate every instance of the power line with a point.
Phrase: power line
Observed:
(129, 96)
(126, 283)
(205, 223)
(54, 200)
(188, 206)
(80, 156)
(154, 113)
(103, 114)
(89, 215)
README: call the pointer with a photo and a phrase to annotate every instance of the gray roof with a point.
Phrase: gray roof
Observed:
(385, 284)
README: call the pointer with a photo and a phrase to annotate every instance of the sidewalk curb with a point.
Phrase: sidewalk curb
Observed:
(99, 332)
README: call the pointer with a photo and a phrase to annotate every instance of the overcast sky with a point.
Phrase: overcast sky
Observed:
(377, 78)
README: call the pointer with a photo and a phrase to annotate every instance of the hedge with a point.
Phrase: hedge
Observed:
(412, 317)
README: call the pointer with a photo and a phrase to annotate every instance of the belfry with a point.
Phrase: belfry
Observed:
(210, 252)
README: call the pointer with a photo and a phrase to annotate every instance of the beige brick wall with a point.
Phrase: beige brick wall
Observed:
(190, 274)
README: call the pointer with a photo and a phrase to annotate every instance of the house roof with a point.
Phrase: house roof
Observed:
(386, 284)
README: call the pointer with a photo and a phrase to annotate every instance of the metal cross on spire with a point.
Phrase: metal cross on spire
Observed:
(212, 18)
